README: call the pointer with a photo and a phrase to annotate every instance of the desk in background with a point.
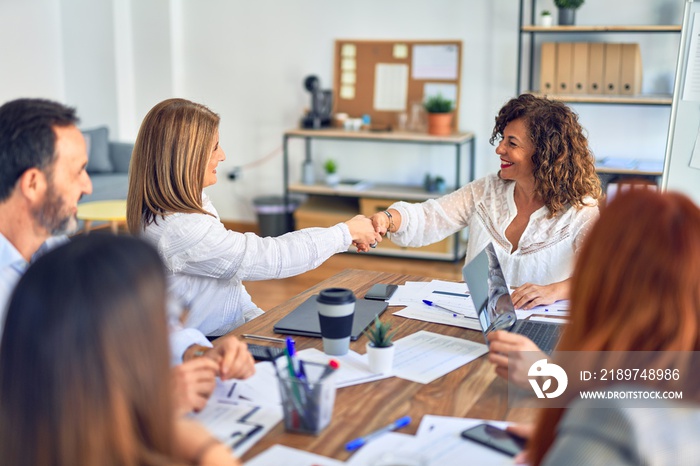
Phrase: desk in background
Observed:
(473, 390)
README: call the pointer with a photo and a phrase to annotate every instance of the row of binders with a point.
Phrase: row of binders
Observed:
(590, 68)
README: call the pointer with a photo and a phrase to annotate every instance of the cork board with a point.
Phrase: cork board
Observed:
(385, 78)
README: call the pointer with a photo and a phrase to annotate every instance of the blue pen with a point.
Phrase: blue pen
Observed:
(454, 313)
(291, 351)
(358, 442)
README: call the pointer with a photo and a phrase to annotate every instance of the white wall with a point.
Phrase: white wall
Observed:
(247, 60)
(31, 62)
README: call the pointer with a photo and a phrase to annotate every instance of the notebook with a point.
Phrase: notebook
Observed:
(494, 306)
(304, 319)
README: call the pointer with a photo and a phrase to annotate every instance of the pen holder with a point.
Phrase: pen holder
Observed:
(307, 401)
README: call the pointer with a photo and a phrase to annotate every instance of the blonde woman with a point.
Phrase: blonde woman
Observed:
(175, 156)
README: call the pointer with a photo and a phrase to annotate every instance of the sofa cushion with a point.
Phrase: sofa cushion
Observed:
(97, 141)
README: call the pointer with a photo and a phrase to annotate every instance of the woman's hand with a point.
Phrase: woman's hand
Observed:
(383, 224)
(363, 234)
(195, 445)
(530, 295)
(514, 351)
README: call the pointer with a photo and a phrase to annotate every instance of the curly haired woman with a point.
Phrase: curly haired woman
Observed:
(536, 210)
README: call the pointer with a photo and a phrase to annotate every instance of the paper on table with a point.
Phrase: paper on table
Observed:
(353, 370)
(460, 302)
(415, 292)
(238, 423)
(440, 446)
(279, 454)
(429, 314)
(559, 309)
(425, 356)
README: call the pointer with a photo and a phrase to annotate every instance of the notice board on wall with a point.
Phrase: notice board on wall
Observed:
(386, 78)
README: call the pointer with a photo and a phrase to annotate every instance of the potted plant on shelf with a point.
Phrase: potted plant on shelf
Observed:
(439, 115)
(546, 18)
(567, 11)
(380, 348)
(331, 168)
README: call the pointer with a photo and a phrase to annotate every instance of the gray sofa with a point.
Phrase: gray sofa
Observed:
(108, 165)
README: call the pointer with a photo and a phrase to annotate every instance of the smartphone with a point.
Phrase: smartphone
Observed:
(381, 291)
(495, 438)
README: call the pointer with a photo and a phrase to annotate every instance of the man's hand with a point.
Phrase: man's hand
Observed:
(193, 383)
(518, 350)
(233, 357)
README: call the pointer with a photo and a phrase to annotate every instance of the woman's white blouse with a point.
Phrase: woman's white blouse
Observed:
(208, 263)
(547, 247)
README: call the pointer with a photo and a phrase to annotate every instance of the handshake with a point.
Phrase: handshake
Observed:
(367, 232)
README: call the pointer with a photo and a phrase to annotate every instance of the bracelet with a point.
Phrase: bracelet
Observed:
(391, 222)
(212, 442)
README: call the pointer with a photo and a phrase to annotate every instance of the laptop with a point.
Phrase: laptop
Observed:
(494, 306)
(304, 319)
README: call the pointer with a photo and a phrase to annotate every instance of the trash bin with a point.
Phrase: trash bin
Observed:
(274, 218)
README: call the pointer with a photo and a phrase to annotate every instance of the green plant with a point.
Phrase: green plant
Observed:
(546, 13)
(573, 4)
(438, 104)
(330, 166)
(379, 335)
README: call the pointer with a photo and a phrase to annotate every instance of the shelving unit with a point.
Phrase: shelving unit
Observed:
(527, 66)
(526, 54)
(328, 205)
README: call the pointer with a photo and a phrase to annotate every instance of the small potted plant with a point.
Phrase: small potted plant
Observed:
(331, 168)
(546, 18)
(380, 348)
(439, 115)
(567, 11)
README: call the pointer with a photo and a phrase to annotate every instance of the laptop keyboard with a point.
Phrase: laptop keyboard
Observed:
(542, 334)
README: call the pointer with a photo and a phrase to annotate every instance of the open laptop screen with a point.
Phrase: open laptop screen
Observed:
(489, 291)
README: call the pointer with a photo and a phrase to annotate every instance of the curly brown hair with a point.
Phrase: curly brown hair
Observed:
(564, 164)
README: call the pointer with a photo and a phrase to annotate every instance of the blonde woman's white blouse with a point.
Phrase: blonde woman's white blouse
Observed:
(547, 247)
(208, 263)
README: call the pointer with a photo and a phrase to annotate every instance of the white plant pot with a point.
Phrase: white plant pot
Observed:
(332, 179)
(381, 360)
(546, 21)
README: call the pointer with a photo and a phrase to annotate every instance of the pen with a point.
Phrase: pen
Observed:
(262, 338)
(332, 366)
(358, 442)
(454, 313)
(449, 293)
(292, 356)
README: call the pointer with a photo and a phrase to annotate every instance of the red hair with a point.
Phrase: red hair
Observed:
(635, 286)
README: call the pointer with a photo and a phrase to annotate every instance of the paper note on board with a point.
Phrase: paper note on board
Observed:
(390, 87)
(348, 64)
(347, 92)
(447, 91)
(347, 77)
(348, 51)
(400, 51)
(435, 61)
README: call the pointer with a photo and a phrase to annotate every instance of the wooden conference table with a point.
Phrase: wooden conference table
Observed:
(473, 390)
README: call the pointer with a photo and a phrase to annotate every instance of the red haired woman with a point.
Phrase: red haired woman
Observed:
(635, 288)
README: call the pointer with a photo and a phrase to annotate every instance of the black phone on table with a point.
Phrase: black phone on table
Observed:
(495, 438)
(381, 291)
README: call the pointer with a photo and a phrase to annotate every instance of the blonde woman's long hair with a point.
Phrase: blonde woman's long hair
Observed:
(171, 153)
